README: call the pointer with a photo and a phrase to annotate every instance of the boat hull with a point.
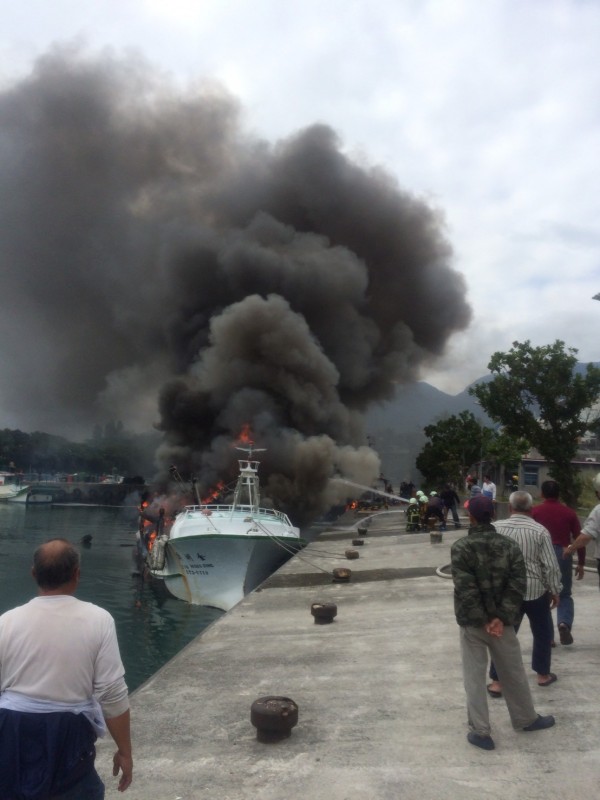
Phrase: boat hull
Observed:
(219, 569)
(27, 496)
(9, 491)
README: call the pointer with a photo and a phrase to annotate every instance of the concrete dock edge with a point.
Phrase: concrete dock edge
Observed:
(380, 696)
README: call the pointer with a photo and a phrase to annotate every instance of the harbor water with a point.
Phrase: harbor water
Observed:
(151, 625)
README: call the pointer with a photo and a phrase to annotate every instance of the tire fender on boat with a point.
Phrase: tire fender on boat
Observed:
(158, 553)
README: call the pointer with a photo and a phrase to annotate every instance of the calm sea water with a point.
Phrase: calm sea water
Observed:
(151, 625)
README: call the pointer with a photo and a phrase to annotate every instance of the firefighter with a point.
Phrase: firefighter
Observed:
(413, 516)
(423, 501)
(435, 508)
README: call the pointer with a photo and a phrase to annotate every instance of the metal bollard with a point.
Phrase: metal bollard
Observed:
(323, 613)
(273, 718)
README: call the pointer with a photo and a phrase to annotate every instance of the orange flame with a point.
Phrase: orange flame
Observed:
(213, 493)
(245, 436)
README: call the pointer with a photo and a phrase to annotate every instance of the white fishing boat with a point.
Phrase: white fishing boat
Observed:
(217, 553)
(9, 487)
(30, 496)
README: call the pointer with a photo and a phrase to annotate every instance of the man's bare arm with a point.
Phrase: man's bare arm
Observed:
(119, 729)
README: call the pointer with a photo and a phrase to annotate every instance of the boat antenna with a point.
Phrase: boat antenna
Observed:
(176, 476)
(250, 449)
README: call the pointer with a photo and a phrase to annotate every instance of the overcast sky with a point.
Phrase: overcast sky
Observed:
(489, 110)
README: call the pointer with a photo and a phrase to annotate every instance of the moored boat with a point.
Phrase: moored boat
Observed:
(9, 486)
(216, 553)
(30, 496)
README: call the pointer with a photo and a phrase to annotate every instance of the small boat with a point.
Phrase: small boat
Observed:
(30, 496)
(217, 553)
(9, 487)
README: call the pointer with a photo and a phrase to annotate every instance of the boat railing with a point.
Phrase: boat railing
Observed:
(241, 507)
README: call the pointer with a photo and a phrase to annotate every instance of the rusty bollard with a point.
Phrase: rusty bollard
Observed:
(351, 554)
(323, 612)
(358, 542)
(341, 575)
(273, 718)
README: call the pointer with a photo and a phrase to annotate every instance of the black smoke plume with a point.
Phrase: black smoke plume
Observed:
(160, 265)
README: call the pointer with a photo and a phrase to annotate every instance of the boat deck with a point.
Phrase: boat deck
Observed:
(241, 510)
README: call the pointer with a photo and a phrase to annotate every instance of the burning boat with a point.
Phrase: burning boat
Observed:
(216, 553)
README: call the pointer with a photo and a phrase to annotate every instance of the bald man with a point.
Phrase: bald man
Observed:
(62, 685)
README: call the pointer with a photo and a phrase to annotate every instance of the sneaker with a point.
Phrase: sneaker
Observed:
(541, 723)
(485, 742)
(565, 633)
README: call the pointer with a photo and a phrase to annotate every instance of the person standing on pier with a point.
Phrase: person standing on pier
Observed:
(543, 585)
(590, 532)
(488, 487)
(450, 500)
(489, 577)
(564, 527)
(62, 684)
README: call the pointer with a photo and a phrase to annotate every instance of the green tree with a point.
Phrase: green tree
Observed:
(536, 393)
(455, 443)
(506, 450)
(44, 453)
(14, 448)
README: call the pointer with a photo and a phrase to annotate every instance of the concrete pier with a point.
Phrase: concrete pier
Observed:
(381, 702)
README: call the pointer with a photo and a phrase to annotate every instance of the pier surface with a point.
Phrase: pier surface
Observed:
(381, 702)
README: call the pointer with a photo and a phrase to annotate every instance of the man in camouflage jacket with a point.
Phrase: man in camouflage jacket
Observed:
(488, 571)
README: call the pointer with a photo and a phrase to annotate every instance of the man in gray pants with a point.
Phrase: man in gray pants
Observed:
(489, 585)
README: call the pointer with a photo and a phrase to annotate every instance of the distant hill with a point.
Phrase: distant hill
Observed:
(418, 405)
(395, 427)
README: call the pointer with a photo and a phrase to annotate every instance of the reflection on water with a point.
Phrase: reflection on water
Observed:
(152, 626)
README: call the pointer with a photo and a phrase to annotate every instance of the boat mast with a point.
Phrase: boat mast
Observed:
(247, 489)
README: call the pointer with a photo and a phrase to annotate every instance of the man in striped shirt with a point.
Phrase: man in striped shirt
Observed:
(543, 584)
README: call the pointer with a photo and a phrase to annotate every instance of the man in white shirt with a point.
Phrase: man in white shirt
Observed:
(488, 488)
(61, 685)
(590, 531)
(543, 584)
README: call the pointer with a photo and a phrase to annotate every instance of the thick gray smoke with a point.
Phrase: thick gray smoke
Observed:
(154, 253)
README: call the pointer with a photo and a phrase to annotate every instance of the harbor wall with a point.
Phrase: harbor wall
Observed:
(107, 494)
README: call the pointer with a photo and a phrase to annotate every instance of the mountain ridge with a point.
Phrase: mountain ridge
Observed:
(396, 426)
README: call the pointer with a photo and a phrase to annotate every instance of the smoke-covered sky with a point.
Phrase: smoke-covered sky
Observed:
(490, 109)
(159, 254)
(320, 173)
